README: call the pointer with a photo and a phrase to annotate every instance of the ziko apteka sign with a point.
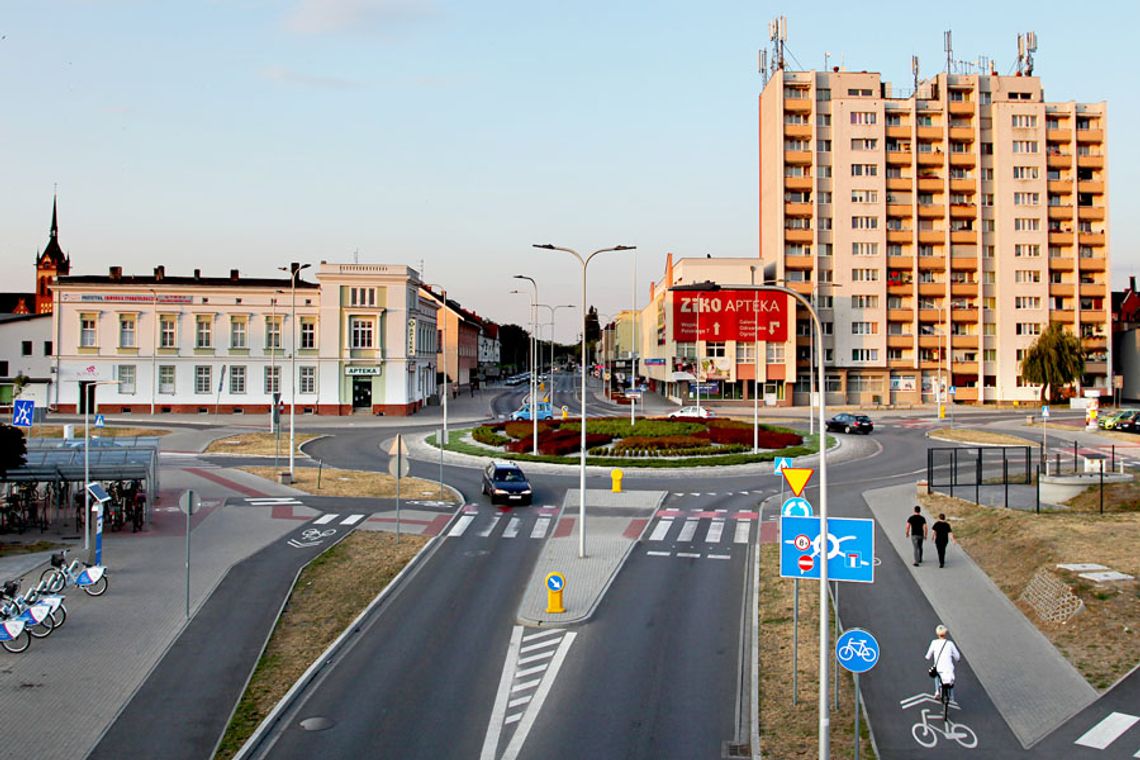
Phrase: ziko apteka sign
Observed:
(741, 315)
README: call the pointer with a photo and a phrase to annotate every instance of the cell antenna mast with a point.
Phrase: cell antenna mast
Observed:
(914, 71)
(778, 34)
(762, 65)
(356, 256)
(948, 46)
(1030, 49)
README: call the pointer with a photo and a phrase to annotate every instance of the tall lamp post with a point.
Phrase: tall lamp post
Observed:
(293, 269)
(533, 363)
(553, 311)
(585, 262)
(443, 350)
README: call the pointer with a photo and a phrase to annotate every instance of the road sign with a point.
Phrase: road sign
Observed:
(850, 548)
(1045, 411)
(797, 478)
(857, 650)
(805, 563)
(555, 581)
(953, 390)
(781, 463)
(398, 464)
(100, 421)
(796, 507)
(23, 412)
(187, 502)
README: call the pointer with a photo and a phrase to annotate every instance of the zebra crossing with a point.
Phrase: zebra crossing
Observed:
(505, 525)
(347, 520)
(700, 533)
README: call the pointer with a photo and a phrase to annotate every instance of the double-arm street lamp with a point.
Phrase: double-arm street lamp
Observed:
(585, 262)
(293, 269)
(553, 311)
(533, 362)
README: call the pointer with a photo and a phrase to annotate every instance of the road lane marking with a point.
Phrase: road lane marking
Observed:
(687, 531)
(542, 635)
(530, 671)
(660, 554)
(325, 518)
(689, 555)
(720, 556)
(512, 530)
(742, 531)
(516, 743)
(536, 657)
(461, 525)
(715, 531)
(661, 530)
(1107, 731)
(540, 526)
(487, 531)
(515, 718)
(520, 701)
(539, 645)
(499, 711)
(352, 520)
(525, 685)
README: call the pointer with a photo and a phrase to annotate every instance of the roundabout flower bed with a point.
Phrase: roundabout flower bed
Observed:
(613, 441)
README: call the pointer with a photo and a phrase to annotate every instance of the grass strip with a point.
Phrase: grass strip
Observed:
(258, 444)
(330, 593)
(365, 483)
(972, 435)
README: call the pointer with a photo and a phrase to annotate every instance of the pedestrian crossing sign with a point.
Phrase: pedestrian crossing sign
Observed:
(99, 421)
(781, 463)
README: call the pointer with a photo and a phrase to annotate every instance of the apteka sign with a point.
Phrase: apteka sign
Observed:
(719, 315)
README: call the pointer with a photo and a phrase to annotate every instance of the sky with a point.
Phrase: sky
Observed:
(252, 133)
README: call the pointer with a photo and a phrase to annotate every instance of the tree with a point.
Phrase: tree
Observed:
(593, 330)
(1055, 359)
(13, 449)
(514, 347)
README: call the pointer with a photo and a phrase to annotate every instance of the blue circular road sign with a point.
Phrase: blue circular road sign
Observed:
(555, 581)
(857, 650)
(797, 506)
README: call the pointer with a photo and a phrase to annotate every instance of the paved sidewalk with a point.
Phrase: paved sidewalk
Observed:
(609, 540)
(1032, 684)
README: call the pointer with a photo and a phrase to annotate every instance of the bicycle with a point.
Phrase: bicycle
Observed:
(927, 734)
(92, 579)
(944, 693)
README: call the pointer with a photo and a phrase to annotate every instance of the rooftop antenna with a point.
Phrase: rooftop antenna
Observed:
(826, 57)
(762, 65)
(914, 71)
(778, 34)
(356, 256)
(1030, 49)
(948, 46)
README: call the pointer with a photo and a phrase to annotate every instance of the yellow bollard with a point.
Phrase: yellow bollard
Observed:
(565, 412)
(941, 411)
(616, 475)
(555, 582)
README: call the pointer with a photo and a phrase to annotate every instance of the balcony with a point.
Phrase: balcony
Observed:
(1064, 211)
(965, 315)
(802, 131)
(1092, 289)
(963, 159)
(803, 340)
(798, 184)
(932, 237)
(931, 341)
(1061, 238)
(1090, 135)
(1092, 263)
(961, 108)
(797, 157)
(797, 105)
(962, 134)
(1092, 238)
(1094, 186)
(900, 315)
(1061, 263)
(797, 262)
(798, 209)
(962, 186)
(898, 158)
(964, 393)
(803, 288)
(1094, 316)
(1062, 289)
(931, 316)
(963, 211)
(1060, 187)
(969, 263)
(898, 133)
(930, 159)
(900, 262)
(898, 210)
(964, 341)
(935, 263)
(964, 237)
(931, 211)
(965, 289)
(1090, 213)
(898, 183)
(931, 289)
(903, 363)
(1095, 342)
(900, 341)
(798, 236)
(900, 236)
(1064, 316)
(930, 133)
(1096, 368)
(1090, 162)
(1059, 161)
(899, 288)
(930, 184)
(1058, 135)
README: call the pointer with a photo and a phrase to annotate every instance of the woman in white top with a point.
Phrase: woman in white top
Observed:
(944, 654)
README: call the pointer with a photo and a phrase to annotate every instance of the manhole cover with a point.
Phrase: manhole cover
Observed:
(317, 724)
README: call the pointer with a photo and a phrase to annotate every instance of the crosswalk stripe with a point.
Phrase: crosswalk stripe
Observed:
(690, 555)
(1107, 731)
(539, 645)
(490, 528)
(687, 530)
(540, 526)
(526, 685)
(542, 634)
(537, 657)
(659, 554)
(520, 701)
(661, 530)
(325, 518)
(352, 520)
(715, 531)
(264, 501)
(461, 525)
(741, 536)
(512, 530)
(513, 718)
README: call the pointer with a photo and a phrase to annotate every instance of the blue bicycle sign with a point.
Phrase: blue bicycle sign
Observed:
(857, 650)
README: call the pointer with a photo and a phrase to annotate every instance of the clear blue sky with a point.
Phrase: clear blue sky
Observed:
(250, 133)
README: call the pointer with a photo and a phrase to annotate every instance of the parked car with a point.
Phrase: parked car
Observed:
(1131, 425)
(693, 411)
(1112, 421)
(850, 423)
(505, 482)
(543, 411)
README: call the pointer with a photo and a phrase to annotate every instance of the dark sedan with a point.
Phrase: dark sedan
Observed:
(850, 423)
(505, 482)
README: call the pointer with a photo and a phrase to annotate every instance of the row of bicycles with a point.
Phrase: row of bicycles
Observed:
(36, 612)
(39, 506)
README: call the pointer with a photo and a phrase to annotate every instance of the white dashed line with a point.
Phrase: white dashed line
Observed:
(719, 556)
(689, 555)
(660, 554)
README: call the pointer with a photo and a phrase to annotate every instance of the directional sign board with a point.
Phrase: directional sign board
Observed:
(743, 315)
(796, 507)
(857, 650)
(100, 421)
(797, 478)
(781, 463)
(850, 548)
(23, 411)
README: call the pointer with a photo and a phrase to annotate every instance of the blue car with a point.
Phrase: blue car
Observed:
(543, 411)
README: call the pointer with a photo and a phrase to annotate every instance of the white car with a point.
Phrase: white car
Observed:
(693, 411)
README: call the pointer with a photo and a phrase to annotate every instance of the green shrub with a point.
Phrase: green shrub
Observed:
(486, 435)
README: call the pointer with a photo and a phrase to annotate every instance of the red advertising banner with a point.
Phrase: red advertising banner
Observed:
(742, 315)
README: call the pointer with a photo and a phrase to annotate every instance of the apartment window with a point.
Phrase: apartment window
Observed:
(795, 118)
(824, 222)
(1023, 303)
(824, 197)
(989, 355)
(864, 354)
(823, 146)
(824, 172)
(797, 223)
(985, 97)
(1025, 172)
(864, 143)
(366, 296)
(715, 350)
(774, 353)
(864, 275)
(1024, 146)
(926, 250)
(1026, 275)
(864, 328)
(989, 278)
(864, 249)
(308, 334)
(863, 117)
(894, 249)
(273, 379)
(823, 94)
(864, 222)
(991, 251)
(360, 332)
(166, 379)
(745, 353)
(959, 96)
(1028, 328)
(864, 170)
(166, 332)
(307, 379)
(237, 379)
(87, 331)
(791, 144)
(127, 332)
(797, 249)
(1023, 121)
(795, 171)
(1026, 224)
(273, 333)
(826, 327)
(125, 374)
(203, 332)
(864, 302)
(47, 347)
(1026, 199)
(989, 303)
(825, 275)
(864, 196)
(237, 332)
(825, 302)
(859, 92)
(1026, 250)
(823, 120)
(989, 329)
(894, 354)
(825, 249)
(203, 379)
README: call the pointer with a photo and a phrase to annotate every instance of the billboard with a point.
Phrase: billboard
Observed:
(720, 315)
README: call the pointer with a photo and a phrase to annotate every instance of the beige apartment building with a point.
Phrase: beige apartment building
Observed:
(938, 233)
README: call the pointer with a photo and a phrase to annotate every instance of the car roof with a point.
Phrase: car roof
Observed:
(505, 466)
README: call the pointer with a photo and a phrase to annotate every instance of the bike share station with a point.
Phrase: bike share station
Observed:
(850, 557)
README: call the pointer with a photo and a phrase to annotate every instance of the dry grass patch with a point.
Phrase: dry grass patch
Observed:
(790, 731)
(973, 435)
(56, 431)
(1011, 545)
(258, 444)
(331, 592)
(336, 482)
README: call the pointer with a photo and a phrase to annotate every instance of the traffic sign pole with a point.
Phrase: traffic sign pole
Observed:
(795, 640)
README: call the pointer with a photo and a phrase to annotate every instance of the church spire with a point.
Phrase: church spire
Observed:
(54, 221)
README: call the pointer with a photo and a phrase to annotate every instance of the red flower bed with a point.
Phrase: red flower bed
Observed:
(734, 431)
(664, 442)
(524, 428)
(558, 442)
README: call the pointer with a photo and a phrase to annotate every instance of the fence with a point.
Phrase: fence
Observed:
(972, 468)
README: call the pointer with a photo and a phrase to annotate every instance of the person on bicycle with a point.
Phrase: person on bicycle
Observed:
(944, 654)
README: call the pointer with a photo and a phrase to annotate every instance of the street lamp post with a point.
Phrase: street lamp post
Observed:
(533, 363)
(443, 351)
(294, 269)
(553, 311)
(585, 262)
(756, 365)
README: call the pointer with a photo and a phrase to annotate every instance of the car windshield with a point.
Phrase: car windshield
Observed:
(510, 476)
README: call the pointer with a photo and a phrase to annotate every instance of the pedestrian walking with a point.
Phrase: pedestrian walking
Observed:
(943, 535)
(944, 654)
(917, 529)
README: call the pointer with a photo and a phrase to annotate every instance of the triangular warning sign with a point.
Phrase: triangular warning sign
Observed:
(797, 478)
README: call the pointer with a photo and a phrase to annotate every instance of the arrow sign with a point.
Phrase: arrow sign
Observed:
(797, 478)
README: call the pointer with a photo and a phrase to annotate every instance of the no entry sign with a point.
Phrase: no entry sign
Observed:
(806, 563)
(718, 315)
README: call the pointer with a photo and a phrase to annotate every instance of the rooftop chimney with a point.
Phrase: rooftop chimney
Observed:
(197, 274)
(1132, 283)
(116, 273)
(159, 273)
(233, 275)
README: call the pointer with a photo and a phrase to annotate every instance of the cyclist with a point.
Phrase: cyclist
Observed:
(944, 654)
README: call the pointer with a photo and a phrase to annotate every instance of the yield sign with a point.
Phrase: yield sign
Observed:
(797, 478)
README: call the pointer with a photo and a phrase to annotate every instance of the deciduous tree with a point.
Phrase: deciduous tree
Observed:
(1054, 360)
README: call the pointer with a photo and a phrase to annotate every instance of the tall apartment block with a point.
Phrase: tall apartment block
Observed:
(938, 233)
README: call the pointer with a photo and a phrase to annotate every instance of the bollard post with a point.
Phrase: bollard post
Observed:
(555, 583)
(615, 477)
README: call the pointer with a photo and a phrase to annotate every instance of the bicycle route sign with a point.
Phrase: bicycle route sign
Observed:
(850, 551)
(857, 650)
